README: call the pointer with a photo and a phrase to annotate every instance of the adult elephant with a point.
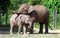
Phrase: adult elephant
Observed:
(39, 12)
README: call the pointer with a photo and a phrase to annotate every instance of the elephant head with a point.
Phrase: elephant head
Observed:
(26, 9)
(23, 8)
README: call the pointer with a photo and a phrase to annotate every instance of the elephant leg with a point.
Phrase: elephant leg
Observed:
(31, 30)
(21, 29)
(24, 29)
(19, 26)
(11, 29)
(29, 27)
(18, 29)
(46, 28)
(46, 24)
(41, 28)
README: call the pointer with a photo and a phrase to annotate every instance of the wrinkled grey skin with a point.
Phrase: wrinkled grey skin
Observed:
(39, 12)
(25, 19)
(14, 22)
(20, 21)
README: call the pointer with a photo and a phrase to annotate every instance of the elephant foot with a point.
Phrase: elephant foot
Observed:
(31, 32)
(40, 32)
(21, 32)
(11, 33)
(25, 34)
(28, 32)
(46, 33)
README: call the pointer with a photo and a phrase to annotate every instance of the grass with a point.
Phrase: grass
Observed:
(31, 36)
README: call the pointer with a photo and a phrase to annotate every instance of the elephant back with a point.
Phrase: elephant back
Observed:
(40, 9)
(23, 17)
(13, 18)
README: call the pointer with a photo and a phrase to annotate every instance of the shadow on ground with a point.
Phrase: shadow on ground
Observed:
(5, 30)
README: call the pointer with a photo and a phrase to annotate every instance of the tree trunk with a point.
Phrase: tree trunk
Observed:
(55, 19)
(7, 17)
(0, 16)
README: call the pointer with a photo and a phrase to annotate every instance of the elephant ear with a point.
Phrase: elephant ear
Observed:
(30, 9)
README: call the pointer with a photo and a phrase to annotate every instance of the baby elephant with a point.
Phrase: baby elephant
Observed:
(14, 22)
(25, 20)
(21, 20)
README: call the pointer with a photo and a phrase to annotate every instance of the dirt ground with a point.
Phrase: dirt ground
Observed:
(56, 31)
(52, 34)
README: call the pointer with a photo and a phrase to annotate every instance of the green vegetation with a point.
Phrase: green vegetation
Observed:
(31, 36)
(14, 5)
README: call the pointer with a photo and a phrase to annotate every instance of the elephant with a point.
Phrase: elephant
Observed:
(21, 20)
(39, 12)
(14, 22)
(26, 21)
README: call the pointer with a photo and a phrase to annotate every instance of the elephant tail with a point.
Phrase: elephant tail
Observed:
(50, 27)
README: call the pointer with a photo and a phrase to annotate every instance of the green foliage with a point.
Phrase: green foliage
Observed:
(34, 2)
(4, 4)
(14, 4)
